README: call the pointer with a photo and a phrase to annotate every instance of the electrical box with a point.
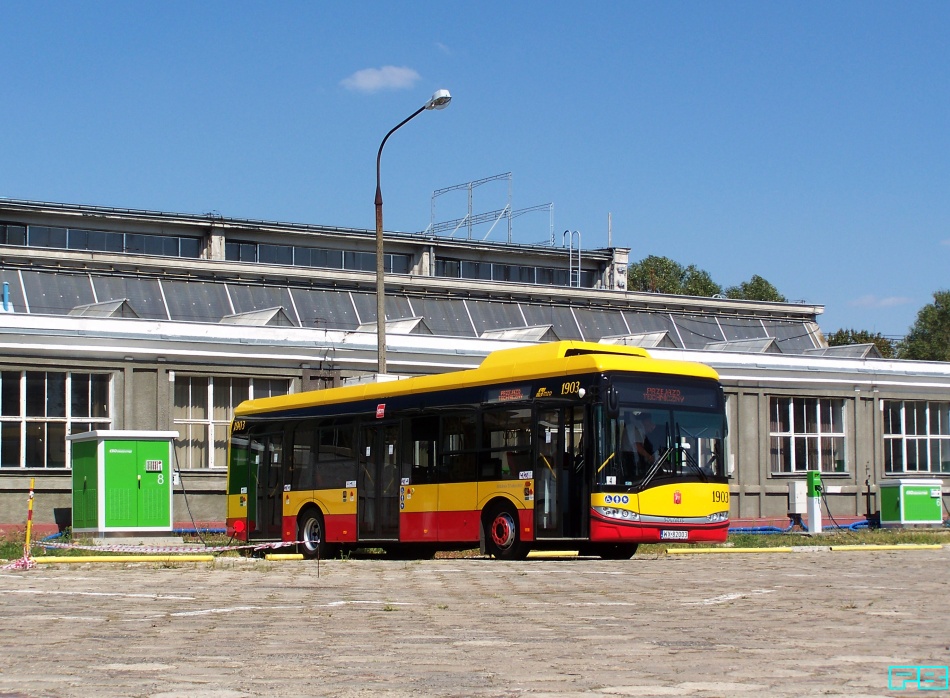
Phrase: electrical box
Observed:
(122, 481)
(911, 502)
(797, 497)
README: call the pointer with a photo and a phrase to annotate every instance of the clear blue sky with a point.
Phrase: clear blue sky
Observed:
(807, 142)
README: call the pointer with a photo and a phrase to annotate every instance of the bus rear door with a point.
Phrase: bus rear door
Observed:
(377, 483)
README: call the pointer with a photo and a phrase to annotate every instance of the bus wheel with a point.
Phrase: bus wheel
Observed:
(311, 534)
(619, 551)
(502, 540)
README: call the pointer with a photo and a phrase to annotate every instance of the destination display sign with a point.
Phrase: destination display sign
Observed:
(512, 393)
(673, 393)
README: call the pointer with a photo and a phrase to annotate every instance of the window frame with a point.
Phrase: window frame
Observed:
(208, 429)
(922, 443)
(63, 422)
(811, 440)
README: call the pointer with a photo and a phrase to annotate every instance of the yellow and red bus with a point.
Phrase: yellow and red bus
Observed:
(567, 445)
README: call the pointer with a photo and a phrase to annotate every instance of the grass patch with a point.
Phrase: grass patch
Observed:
(880, 536)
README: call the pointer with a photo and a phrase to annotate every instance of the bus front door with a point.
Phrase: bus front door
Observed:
(378, 484)
(562, 491)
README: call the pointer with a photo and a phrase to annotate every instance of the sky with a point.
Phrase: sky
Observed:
(805, 142)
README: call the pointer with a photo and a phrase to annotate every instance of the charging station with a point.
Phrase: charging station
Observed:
(813, 481)
(122, 481)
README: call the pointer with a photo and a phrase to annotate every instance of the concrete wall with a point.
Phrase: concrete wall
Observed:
(202, 492)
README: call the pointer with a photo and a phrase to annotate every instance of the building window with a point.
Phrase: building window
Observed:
(202, 413)
(360, 261)
(449, 268)
(99, 240)
(807, 434)
(476, 270)
(275, 254)
(314, 257)
(916, 437)
(12, 234)
(38, 409)
(543, 276)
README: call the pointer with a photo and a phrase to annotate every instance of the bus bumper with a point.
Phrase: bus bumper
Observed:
(604, 531)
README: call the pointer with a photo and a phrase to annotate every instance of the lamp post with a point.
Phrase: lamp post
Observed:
(439, 100)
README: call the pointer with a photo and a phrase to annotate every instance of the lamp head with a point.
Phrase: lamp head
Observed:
(439, 100)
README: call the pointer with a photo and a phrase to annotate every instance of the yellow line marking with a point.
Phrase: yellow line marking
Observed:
(906, 546)
(702, 551)
(796, 549)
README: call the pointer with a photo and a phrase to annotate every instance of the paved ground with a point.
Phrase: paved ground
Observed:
(800, 624)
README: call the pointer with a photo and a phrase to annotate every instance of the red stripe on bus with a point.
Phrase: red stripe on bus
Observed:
(341, 528)
(419, 527)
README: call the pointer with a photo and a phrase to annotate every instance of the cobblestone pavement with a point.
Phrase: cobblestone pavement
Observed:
(815, 624)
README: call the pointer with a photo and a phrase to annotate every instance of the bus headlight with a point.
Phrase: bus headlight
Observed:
(718, 517)
(614, 513)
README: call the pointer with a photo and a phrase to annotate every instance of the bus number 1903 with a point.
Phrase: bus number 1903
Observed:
(570, 387)
(720, 497)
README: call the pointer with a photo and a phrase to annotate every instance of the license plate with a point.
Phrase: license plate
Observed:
(674, 535)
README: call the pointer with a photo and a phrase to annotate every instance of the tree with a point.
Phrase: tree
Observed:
(698, 282)
(663, 275)
(656, 275)
(756, 289)
(929, 336)
(844, 337)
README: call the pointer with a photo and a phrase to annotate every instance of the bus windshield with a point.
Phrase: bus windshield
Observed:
(662, 432)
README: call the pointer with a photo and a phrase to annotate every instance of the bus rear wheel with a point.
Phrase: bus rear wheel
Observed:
(502, 539)
(312, 534)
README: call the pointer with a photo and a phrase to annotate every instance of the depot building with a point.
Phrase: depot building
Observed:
(116, 319)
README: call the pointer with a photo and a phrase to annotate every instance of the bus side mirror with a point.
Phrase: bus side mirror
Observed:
(612, 402)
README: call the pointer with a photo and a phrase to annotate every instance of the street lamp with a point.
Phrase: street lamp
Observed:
(439, 100)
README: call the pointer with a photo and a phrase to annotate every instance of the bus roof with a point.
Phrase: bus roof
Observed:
(550, 359)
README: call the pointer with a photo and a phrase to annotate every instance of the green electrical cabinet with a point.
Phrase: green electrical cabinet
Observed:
(122, 481)
(911, 502)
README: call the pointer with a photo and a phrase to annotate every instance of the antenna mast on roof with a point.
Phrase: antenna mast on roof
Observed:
(472, 219)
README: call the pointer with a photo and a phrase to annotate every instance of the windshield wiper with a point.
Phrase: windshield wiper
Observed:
(690, 460)
(654, 469)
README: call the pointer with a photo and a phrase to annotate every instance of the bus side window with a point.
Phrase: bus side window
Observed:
(458, 448)
(303, 466)
(506, 442)
(423, 433)
(335, 456)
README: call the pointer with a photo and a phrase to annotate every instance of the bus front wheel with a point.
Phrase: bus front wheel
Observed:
(311, 534)
(502, 539)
